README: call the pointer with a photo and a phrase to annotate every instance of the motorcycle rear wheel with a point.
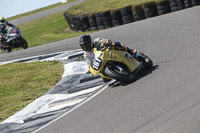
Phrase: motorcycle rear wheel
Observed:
(112, 70)
(8, 50)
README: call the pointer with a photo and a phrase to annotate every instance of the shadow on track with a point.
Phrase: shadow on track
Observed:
(141, 75)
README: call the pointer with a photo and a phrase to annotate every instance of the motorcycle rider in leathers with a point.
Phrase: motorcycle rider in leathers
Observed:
(87, 45)
(4, 25)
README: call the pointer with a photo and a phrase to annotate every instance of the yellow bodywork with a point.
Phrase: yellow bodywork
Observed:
(113, 55)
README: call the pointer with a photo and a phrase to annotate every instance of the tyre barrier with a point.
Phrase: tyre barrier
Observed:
(106, 18)
(116, 17)
(92, 21)
(67, 18)
(138, 12)
(85, 22)
(181, 4)
(195, 2)
(150, 9)
(70, 21)
(77, 24)
(163, 7)
(173, 5)
(125, 15)
(99, 21)
(188, 3)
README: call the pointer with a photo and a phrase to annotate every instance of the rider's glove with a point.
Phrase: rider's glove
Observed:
(118, 45)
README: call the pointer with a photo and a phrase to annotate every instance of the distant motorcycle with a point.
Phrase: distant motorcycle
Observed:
(12, 39)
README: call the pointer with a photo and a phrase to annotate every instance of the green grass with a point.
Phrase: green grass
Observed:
(21, 83)
(101, 5)
(39, 10)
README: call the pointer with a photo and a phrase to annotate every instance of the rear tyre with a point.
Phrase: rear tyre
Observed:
(8, 50)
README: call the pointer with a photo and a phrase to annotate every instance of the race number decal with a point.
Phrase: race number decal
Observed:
(97, 64)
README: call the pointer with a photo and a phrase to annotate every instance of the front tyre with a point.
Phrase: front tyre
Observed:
(119, 72)
(146, 62)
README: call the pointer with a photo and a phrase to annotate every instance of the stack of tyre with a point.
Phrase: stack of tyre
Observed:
(173, 5)
(77, 24)
(70, 21)
(150, 9)
(138, 12)
(127, 16)
(163, 7)
(85, 22)
(116, 17)
(195, 2)
(92, 21)
(67, 18)
(99, 21)
(180, 4)
(106, 19)
(188, 3)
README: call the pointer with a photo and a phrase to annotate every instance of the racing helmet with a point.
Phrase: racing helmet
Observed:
(2, 20)
(86, 42)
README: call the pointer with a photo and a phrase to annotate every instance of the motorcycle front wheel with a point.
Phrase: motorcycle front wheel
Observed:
(23, 42)
(146, 62)
(119, 72)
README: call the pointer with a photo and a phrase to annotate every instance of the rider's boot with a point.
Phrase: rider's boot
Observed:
(132, 52)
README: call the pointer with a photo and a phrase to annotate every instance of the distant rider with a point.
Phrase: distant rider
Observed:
(4, 25)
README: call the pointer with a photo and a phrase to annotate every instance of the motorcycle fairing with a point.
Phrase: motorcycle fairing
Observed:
(98, 59)
(13, 33)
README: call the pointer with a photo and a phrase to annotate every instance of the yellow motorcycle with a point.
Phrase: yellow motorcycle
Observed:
(115, 64)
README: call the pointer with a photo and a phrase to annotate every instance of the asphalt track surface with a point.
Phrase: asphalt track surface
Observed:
(165, 99)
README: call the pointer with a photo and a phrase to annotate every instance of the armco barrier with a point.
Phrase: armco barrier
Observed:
(128, 14)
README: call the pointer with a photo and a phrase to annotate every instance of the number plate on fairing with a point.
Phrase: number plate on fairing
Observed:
(97, 62)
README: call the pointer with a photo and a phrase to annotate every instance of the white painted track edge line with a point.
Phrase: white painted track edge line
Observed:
(85, 101)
